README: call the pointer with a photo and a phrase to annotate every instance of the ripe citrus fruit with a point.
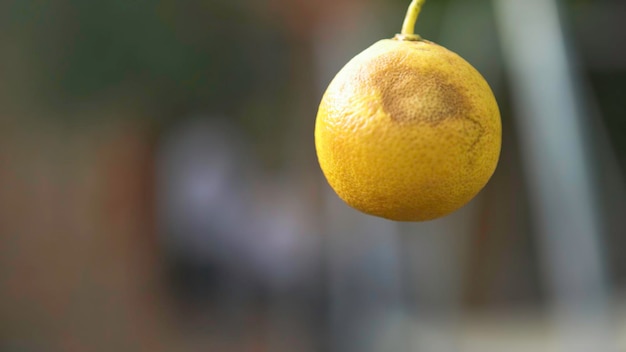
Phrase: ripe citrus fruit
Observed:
(408, 130)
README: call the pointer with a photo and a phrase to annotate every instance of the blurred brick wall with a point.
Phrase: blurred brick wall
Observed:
(78, 255)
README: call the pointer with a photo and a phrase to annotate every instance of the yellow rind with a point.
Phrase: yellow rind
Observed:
(408, 131)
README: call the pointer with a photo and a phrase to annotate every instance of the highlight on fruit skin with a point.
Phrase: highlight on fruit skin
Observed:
(408, 130)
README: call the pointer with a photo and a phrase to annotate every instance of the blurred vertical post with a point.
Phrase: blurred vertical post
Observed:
(366, 284)
(552, 127)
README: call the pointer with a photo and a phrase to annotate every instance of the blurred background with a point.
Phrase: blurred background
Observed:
(159, 189)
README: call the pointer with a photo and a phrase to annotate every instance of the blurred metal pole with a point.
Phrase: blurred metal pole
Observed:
(552, 129)
(366, 286)
(365, 282)
(434, 253)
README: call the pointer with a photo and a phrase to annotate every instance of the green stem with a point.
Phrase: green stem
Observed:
(408, 27)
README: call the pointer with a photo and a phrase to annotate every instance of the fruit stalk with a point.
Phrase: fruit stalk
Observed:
(408, 27)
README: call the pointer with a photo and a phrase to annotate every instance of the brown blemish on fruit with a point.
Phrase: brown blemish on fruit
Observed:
(412, 95)
(477, 133)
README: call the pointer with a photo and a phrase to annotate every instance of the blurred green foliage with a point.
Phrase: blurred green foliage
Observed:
(175, 54)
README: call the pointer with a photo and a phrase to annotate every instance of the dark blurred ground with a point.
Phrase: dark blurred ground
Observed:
(159, 188)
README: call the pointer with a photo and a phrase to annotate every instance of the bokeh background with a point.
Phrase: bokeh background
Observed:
(159, 189)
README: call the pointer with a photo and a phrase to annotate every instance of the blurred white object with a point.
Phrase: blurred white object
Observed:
(216, 205)
(551, 124)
